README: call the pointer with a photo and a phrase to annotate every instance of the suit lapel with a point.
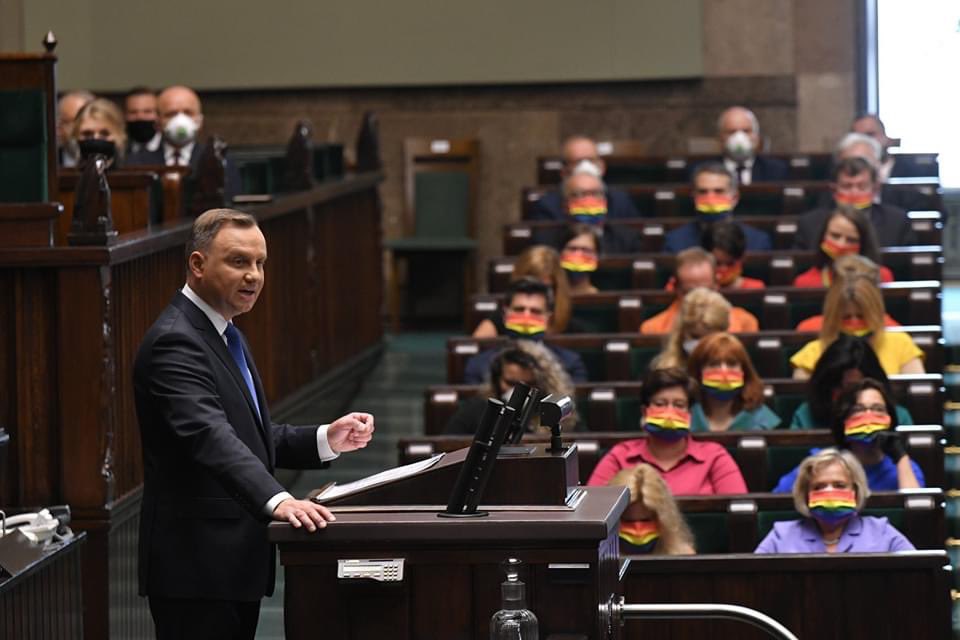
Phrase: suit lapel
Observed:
(219, 347)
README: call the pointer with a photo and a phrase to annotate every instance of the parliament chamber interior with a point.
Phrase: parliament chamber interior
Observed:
(641, 321)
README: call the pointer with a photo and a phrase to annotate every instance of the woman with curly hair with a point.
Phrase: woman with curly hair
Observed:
(702, 312)
(524, 361)
(652, 523)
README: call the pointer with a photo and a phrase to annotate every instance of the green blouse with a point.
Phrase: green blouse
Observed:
(761, 418)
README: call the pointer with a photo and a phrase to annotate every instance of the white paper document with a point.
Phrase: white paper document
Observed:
(390, 475)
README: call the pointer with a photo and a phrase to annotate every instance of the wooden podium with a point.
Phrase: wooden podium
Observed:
(449, 585)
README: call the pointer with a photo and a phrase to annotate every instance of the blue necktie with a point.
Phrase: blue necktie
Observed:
(236, 350)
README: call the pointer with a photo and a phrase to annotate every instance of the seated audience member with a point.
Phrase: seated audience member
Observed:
(855, 186)
(730, 391)
(864, 420)
(140, 111)
(830, 491)
(845, 232)
(874, 150)
(180, 118)
(845, 362)
(98, 129)
(585, 201)
(715, 196)
(543, 264)
(855, 308)
(652, 524)
(577, 150)
(738, 131)
(581, 249)
(846, 268)
(728, 244)
(702, 312)
(527, 310)
(870, 125)
(696, 268)
(522, 361)
(689, 467)
(68, 106)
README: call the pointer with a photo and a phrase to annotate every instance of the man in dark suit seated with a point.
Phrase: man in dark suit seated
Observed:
(861, 145)
(525, 315)
(855, 185)
(738, 131)
(140, 111)
(210, 448)
(586, 199)
(715, 195)
(180, 118)
(578, 150)
(869, 124)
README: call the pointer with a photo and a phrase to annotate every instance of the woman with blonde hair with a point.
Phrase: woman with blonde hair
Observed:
(830, 492)
(855, 307)
(702, 312)
(846, 268)
(100, 128)
(652, 522)
(543, 264)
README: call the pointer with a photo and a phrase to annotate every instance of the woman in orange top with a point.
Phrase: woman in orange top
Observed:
(847, 231)
(726, 241)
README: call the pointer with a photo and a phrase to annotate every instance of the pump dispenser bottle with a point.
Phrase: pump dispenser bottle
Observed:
(514, 621)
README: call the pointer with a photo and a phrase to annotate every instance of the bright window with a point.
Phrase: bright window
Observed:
(918, 50)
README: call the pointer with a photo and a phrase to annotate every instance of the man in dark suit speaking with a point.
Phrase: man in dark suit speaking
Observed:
(210, 449)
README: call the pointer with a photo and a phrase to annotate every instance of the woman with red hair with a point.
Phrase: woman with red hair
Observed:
(731, 393)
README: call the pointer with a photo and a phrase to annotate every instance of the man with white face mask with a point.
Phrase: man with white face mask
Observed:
(738, 131)
(580, 155)
(180, 118)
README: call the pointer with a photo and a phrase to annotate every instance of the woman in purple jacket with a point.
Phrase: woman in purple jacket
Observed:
(830, 491)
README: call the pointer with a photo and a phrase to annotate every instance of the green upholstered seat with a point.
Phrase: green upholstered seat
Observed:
(23, 147)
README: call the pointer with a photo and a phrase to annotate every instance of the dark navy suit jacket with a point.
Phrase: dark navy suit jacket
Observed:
(689, 236)
(550, 206)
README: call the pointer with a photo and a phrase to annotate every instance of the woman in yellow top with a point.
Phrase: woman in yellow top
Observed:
(856, 308)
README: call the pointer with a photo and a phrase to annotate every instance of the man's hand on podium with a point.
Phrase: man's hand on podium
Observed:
(303, 513)
(352, 431)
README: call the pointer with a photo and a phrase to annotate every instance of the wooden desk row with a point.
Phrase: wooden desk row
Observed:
(626, 166)
(771, 199)
(763, 456)
(775, 268)
(615, 406)
(782, 229)
(776, 308)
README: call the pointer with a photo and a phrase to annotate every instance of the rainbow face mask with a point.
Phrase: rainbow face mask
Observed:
(639, 536)
(832, 506)
(588, 209)
(713, 206)
(728, 274)
(667, 423)
(525, 325)
(578, 261)
(855, 327)
(722, 384)
(854, 200)
(835, 250)
(864, 427)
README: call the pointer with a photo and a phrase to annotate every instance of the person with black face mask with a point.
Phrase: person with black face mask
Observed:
(526, 313)
(98, 130)
(140, 110)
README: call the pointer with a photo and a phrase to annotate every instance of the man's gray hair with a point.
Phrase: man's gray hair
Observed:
(750, 114)
(852, 139)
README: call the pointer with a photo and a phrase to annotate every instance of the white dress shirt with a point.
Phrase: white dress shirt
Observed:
(746, 176)
(220, 324)
(151, 145)
(170, 152)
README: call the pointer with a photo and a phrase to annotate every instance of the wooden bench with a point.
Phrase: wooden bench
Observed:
(771, 199)
(776, 308)
(627, 167)
(616, 405)
(927, 226)
(626, 356)
(853, 596)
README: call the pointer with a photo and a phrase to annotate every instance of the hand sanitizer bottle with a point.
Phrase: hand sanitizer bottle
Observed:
(514, 621)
